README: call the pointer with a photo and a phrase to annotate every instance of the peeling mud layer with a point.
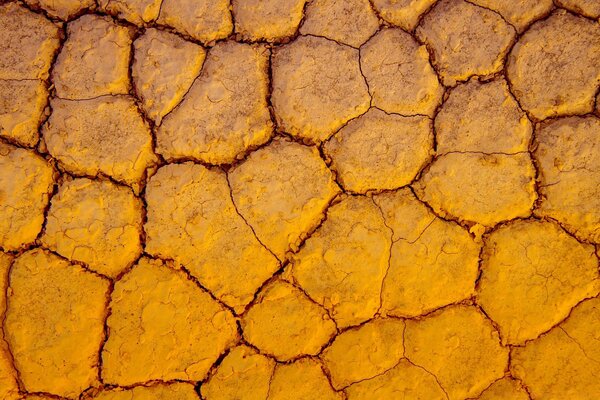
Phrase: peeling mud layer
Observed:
(299, 199)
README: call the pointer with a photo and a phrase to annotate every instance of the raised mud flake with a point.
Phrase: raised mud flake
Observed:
(192, 220)
(588, 8)
(554, 69)
(22, 104)
(564, 363)
(364, 352)
(466, 40)
(351, 22)
(568, 155)
(9, 388)
(203, 20)
(533, 273)
(95, 222)
(503, 389)
(317, 87)
(400, 77)
(519, 13)
(163, 327)
(243, 375)
(458, 346)
(158, 391)
(27, 43)
(350, 290)
(137, 12)
(482, 117)
(63, 9)
(45, 289)
(225, 112)
(480, 188)
(94, 61)
(104, 135)
(307, 379)
(403, 13)
(433, 262)
(26, 182)
(286, 324)
(283, 191)
(398, 148)
(164, 68)
(267, 19)
(403, 381)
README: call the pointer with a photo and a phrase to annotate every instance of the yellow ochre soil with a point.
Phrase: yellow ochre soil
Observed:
(300, 199)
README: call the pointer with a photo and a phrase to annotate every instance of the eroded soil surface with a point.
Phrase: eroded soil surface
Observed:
(299, 199)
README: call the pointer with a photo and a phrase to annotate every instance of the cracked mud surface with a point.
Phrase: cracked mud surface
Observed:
(299, 199)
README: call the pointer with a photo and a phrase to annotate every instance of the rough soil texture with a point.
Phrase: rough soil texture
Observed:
(299, 199)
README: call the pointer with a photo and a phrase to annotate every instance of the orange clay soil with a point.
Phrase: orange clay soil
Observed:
(299, 199)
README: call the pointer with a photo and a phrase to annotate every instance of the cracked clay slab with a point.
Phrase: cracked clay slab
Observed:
(164, 67)
(164, 327)
(317, 87)
(190, 212)
(104, 135)
(203, 20)
(22, 105)
(505, 388)
(137, 12)
(399, 74)
(460, 347)
(351, 22)
(159, 391)
(403, 13)
(404, 381)
(27, 43)
(482, 117)
(466, 40)
(568, 155)
(398, 148)
(547, 73)
(310, 382)
(433, 262)
(284, 323)
(267, 19)
(9, 387)
(97, 223)
(587, 8)
(533, 274)
(244, 374)
(225, 113)
(519, 13)
(282, 191)
(481, 188)
(94, 60)
(26, 183)
(63, 9)
(45, 288)
(354, 229)
(364, 352)
(563, 363)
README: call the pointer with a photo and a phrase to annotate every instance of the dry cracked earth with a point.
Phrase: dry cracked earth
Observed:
(289, 199)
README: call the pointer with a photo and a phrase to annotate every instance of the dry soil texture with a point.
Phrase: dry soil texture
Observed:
(299, 199)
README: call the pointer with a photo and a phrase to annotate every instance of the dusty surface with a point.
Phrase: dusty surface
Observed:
(299, 199)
